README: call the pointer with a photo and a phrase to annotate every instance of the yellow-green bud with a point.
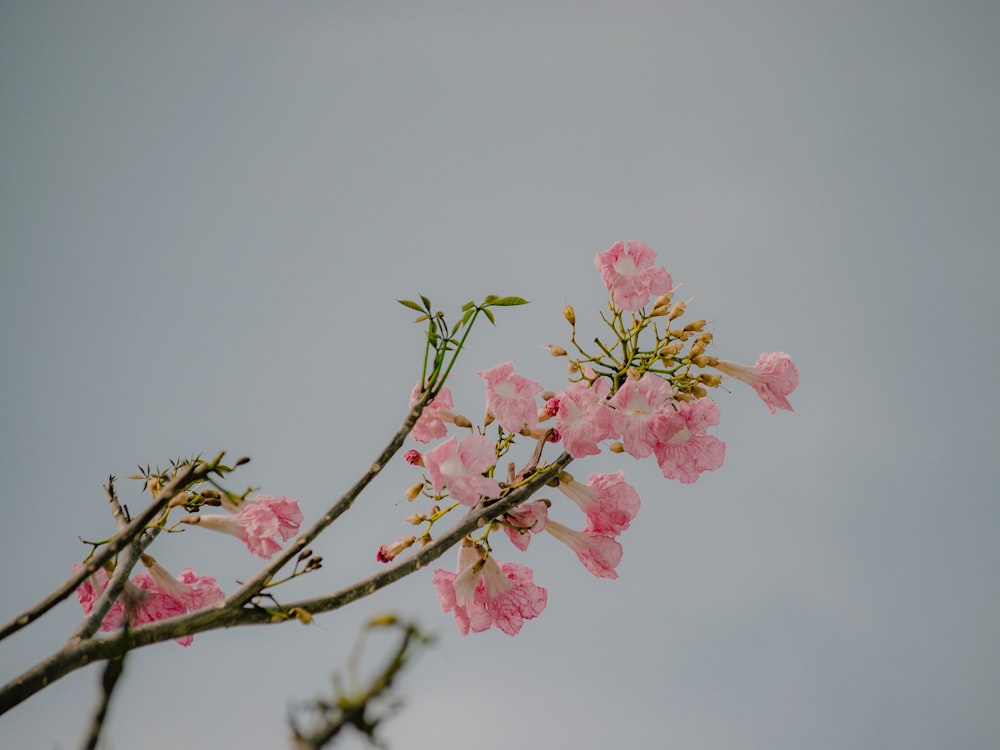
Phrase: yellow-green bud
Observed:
(570, 314)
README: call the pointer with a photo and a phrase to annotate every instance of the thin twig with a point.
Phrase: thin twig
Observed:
(109, 679)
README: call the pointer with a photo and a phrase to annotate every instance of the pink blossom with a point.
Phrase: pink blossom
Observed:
(484, 593)
(431, 424)
(638, 403)
(151, 596)
(774, 377)
(583, 418)
(609, 502)
(684, 448)
(599, 553)
(630, 275)
(256, 524)
(524, 521)
(459, 466)
(511, 397)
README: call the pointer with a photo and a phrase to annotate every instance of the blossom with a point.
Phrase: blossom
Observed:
(151, 596)
(485, 593)
(599, 553)
(431, 424)
(583, 418)
(638, 404)
(257, 523)
(774, 376)
(524, 521)
(511, 397)
(630, 275)
(459, 466)
(609, 502)
(684, 448)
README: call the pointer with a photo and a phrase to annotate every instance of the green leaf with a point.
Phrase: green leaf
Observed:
(468, 306)
(490, 299)
(489, 316)
(411, 305)
(427, 303)
(508, 301)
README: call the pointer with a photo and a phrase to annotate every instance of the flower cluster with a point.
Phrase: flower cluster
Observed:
(156, 595)
(644, 393)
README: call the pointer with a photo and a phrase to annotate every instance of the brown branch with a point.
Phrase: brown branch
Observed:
(112, 671)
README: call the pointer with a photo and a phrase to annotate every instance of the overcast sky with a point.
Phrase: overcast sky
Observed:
(207, 210)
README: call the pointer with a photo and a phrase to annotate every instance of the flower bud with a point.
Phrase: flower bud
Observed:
(616, 447)
(711, 379)
(677, 311)
(697, 348)
(414, 491)
(569, 314)
(461, 421)
(180, 498)
(487, 419)
(662, 302)
(695, 326)
(699, 391)
(556, 351)
(670, 349)
(416, 519)
(702, 360)
(413, 457)
(388, 552)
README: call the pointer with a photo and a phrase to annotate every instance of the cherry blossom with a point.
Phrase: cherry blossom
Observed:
(630, 275)
(256, 523)
(684, 448)
(638, 404)
(431, 424)
(511, 397)
(459, 466)
(599, 553)
(774, 377)
(484, 593)
(609, 502)
(524, 521)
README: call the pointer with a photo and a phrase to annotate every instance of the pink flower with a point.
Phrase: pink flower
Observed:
(431, 424)
(151, 596)
(684, 448)
(528, 519)
(773, 377)
(256, 524)
(484, 593)
(459, 466)
(583, 418)
(511, 397)
(609, 502)
(599, 553)
(630, 276)
(638, 403)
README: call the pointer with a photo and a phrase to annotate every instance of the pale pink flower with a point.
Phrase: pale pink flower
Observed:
(431, 424)
(630, 275)
(152, 596)
(528, 519)
(599, 553)
(484, 593)
(684, 448)
(609, 502)
(511, 397)
(584, 418)
(256, 523)
(459, 466)
(774, 377)
(639, 406)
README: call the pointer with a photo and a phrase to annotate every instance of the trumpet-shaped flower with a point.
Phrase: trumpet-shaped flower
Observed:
(511, 397)
(524, 521)
(639, 406)
(151, 596)
(609, 502)
(484, 593)
(459, 466)
(256, 524)
(684, 448)
(630, 275)
(431, 424)
(774, 377)
(599, 553)
(583, 418)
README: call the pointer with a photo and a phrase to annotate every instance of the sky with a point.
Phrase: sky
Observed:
(207, 211)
